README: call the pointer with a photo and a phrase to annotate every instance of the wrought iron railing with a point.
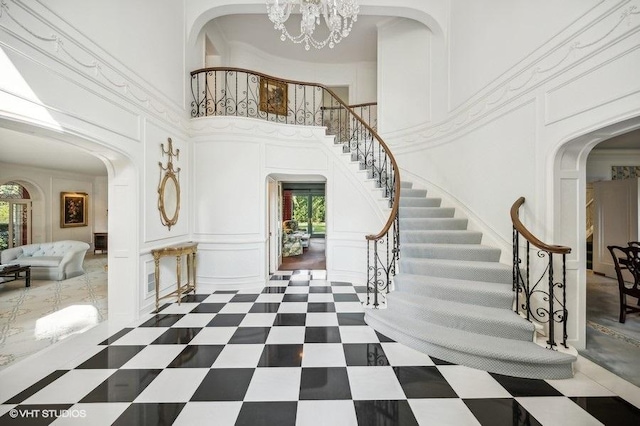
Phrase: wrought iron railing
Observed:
(543, 299)
(243, 93)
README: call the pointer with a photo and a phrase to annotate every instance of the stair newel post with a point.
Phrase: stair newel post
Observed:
(564, 301)
(368, 271)
(375, 274)
(552, 340)
(516, 269)
(527, 283)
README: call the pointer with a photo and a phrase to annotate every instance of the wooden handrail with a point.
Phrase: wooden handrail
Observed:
(394, 164)
(515, 219)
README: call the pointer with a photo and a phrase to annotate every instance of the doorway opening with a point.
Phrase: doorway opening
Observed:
(15, 215)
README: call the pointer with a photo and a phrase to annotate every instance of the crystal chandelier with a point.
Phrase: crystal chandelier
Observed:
(339, 16)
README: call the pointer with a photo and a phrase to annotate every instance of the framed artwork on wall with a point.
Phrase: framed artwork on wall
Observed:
(73, 209)
(273, 96)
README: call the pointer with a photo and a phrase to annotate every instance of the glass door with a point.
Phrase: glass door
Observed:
(19, 230)
(317, 214)
(4, 225)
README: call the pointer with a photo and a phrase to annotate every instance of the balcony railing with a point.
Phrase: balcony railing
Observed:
(542, 299)
(243, 93)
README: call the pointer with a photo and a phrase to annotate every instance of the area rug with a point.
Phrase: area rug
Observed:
(32, 318)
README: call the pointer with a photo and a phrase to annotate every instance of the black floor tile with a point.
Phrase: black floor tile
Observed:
(268, 414)
(194, 298)
(36, 387)
(355, 318)
(208, 308)
(340, 284)
(438, 361)
(226, 320)
(115, 337)
(163, 320)
(382, 337)
(319, 289)
(321, 307)
(423, 382)
(250, 335)
(150, 414)
(112, 357)
(246, 298)
(500, 412)
(362, 289)
(322, 335)
(274, 290)
(280, 278)
(264, 308)
(176, 336)
(295, 298)
(197, 356)
(365, 354)
(224, 384)
(324, 384)
(34, 415)
(281, 356)
(518, 386)
(348, 297)
(122, 386)
(610, 410)
(299, 283)
(384, 413)
(293, 320)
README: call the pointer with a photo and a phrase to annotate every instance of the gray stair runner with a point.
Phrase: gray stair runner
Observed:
(452, 298)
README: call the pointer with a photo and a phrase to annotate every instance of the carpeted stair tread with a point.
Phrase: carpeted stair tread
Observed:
(433, 223)
(451, 251)
(420, 202)
(411, 192)
(466, 270)
(440, 236)
(494, 354)
(497, 295)
(426, 212)
(484, 320)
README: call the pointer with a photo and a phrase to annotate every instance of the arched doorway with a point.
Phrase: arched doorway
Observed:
(15, 215)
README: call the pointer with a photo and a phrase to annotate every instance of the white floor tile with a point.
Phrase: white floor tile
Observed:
(173, 385)
(236, 308)
(194, 320)
(270, 298)
(358, 334)
(442, 412)
(326, 413)
(213, 336)
(580, 385)
(219, 298)
(318, 319)
(274, 384)
(258, 320)
(317, 282)
(141, 336)
(343, 290)
(323, 355)
(399, 355)
(293, 307)
(203, 413)
(94, 414)
(349, 307)
(320, 297)
(239, 356)
(300, 277)
(369, 383)
(557, 411)
(251, 290)
(471, 383)
(182, 308)
(154, 356)
(297, 290)
(286, 335)
(72, 386)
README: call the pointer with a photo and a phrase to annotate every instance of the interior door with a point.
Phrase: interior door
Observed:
(19, 229)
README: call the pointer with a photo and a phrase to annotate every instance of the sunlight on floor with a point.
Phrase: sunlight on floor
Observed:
(66, 322)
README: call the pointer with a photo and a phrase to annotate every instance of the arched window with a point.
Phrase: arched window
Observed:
(15, 215)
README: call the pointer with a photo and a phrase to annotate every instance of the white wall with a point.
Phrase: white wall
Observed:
(600, 162)
(233, 159)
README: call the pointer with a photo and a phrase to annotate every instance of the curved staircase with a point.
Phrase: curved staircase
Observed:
(453, 299)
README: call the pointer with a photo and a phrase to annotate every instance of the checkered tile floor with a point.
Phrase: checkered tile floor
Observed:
(296, 352)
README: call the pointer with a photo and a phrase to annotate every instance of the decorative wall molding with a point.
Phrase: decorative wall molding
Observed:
(35, 31)
(252, 126)
(575, 48)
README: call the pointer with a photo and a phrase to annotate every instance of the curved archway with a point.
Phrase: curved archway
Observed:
(569, 213)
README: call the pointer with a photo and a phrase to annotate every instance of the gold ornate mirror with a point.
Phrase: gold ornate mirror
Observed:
(169, 188)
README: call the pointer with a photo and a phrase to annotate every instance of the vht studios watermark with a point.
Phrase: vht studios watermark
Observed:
(46, 413)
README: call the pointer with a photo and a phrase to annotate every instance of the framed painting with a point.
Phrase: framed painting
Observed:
(273, 96)
(73, 209)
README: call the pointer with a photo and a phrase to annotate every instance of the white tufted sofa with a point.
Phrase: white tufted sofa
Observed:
(58, 260)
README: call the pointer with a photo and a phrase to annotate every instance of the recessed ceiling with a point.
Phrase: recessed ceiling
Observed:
(256, 30)
(629, 140)
(36, 151)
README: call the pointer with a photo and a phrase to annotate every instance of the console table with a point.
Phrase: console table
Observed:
(178, 251)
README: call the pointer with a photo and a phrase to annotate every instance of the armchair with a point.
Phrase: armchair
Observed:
(291, 245)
